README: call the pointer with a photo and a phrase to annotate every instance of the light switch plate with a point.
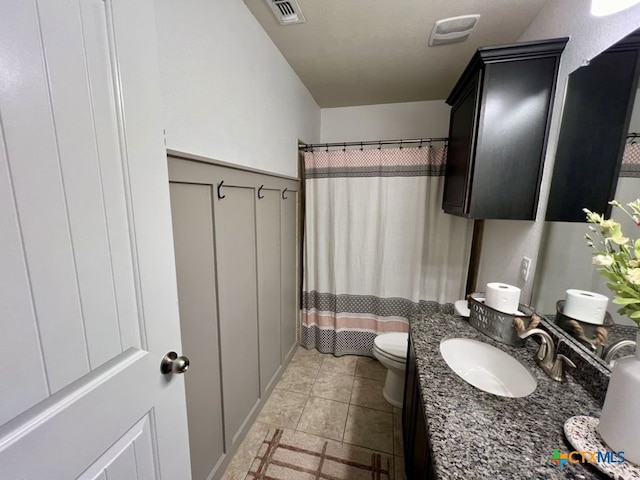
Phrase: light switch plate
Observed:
(524, 268)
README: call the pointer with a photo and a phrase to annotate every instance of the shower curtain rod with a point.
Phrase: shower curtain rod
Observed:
(311, 146)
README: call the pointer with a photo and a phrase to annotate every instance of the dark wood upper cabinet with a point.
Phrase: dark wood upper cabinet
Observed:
(595, 123)
(498, 130)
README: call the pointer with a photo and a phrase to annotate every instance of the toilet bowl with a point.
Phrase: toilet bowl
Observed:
(391, 350)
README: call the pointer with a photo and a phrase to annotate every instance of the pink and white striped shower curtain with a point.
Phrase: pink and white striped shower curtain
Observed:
(631, 161)
(377, 244)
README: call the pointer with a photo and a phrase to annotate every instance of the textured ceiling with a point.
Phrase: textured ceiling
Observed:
(361, 52)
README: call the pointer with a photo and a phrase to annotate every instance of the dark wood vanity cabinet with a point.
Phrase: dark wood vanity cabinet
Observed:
(500, 110)
(417, 452)
(595, 122)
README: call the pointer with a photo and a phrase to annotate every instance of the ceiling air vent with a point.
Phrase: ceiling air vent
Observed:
(452, 30)
(286, 11)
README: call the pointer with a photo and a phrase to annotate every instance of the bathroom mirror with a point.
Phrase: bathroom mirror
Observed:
(564, 261)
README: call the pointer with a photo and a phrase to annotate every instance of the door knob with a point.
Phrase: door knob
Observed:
(172, 363)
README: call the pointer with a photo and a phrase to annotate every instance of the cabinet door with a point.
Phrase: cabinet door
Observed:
(511, 138)
(417, 451)
(462, 132)
(421, 468)
(408, 407)
(595, 123)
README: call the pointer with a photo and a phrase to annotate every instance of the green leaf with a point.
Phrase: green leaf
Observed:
(635, 315)
(625, 301)
(608, 275)
(628, 290)
(612, 287)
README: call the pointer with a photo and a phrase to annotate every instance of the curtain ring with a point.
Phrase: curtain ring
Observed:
(420, 146)
(326, 147)
(379, 144)
(400, 144)
(344, 147)
(361, 146)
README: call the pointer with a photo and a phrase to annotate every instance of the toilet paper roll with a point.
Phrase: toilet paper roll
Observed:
(589, 307)
(502, 297)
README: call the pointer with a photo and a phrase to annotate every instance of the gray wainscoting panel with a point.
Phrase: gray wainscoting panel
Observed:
(191, 209)
(235, 238)
(236, 263)
(268, 249)
(290, 295)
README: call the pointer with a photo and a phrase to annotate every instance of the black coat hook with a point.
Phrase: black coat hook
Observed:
(220, 196)
(283, 192)
(259, 190)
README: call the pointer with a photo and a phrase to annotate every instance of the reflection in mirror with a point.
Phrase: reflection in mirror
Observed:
(565, 262)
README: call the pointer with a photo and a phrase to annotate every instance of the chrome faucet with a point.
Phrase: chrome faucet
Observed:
(546, 352)
(546, 357)
(614, 348)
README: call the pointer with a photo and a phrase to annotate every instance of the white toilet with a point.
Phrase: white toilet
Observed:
(391, 350)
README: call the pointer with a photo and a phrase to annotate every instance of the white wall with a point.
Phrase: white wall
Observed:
(506, 242)
(634, 123)
(228, 93)
(386, 122)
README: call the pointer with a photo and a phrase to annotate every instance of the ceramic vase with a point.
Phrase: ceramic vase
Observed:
(620, 419)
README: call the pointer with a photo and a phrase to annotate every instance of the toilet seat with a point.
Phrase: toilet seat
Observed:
(392, 346)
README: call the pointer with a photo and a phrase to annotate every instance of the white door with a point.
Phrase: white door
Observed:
(88, 302)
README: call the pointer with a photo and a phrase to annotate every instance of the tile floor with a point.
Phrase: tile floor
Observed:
(337, 398)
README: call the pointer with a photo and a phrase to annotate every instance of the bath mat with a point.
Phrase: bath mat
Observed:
(289, 455)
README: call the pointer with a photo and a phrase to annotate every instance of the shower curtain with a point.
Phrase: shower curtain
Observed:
(378, 246)
(631, 160)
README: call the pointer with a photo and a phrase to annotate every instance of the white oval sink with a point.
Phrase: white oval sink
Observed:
(487, 368)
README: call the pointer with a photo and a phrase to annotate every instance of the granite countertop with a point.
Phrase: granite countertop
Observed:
(476, 435)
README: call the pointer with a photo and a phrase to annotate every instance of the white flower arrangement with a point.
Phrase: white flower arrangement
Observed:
(618, 258)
